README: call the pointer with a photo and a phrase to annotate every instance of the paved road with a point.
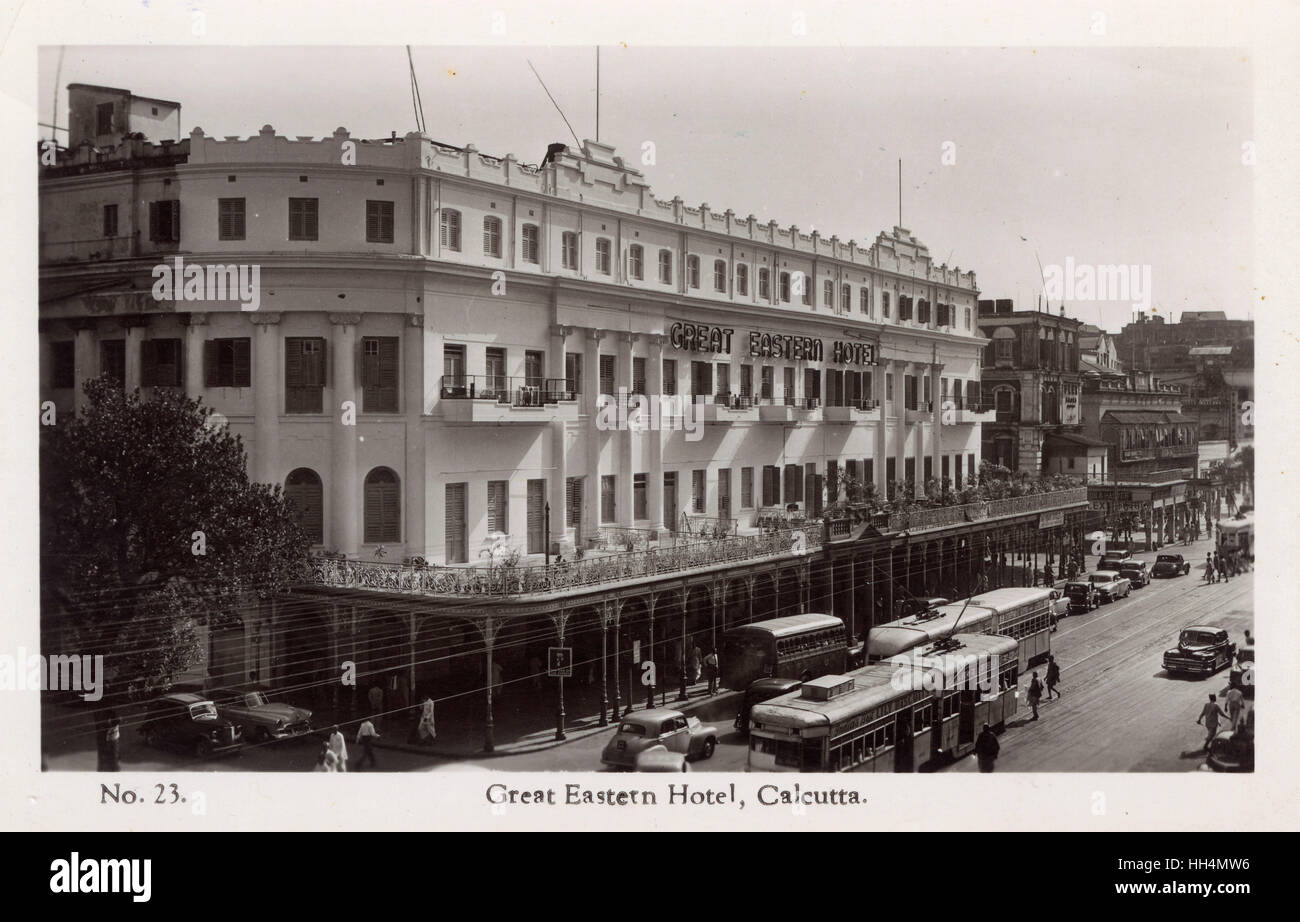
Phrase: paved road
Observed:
(1119, 710)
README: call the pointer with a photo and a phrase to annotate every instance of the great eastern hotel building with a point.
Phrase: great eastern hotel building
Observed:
(414, 339)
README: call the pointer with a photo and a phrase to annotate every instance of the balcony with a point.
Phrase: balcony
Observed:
(731, 408)
(922, 519)
(591, 572)
(920, 413)
(852, 411)
(502, 399)
(966, 412)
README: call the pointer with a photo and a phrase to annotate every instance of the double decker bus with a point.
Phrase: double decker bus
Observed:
(794, 647)
(884, 718)
(1023, 614)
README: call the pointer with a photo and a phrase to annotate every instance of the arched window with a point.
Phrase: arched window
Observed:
(305, 496)
(383, 503)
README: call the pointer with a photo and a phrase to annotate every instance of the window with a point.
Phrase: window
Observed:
(784, 283)
(607, 487)
(723, 383)
(603, 255)
(573, 372)
(165, 221)
(112, 360)
(110, 220)
(805, 290)
(701, 379)
(909, 391)
(607, 366)
(304, 219)
(305, 497)
(747, 380)
(453, 371)
(724, 493)
(495, 384)
(569, 250)
(889, 386)
(454, 523)
(764, 284)
(529, 245)
(63, 364)
(742, 281)
(379, 221)
(638, 375)
(538, 525)
(383, 519)
(693, 271)
(1002, 349)
(666, 267)
(746, 488)
(379, 374)
(766, 384)
(864, 301)
(884, 305)
(787, 382)
(449, 230)
(970, 467)
(304, 374)
(793, 484)
(771, 485)
(670, 376)
(904, 307)
(226, 362)
(492, 237)
(846, 298)
(697, 491)
(498, 506)
(639, 508)
(670, 500)
(636, 261)
(923, 311)
(104, 118)
(719, 275)
(828, 293)
(160, 363)
(230, 219)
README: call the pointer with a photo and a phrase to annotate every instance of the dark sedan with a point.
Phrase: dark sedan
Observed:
(1170, 565)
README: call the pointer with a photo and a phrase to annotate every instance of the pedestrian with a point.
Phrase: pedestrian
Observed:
(1236, 702)
(693, 664)
(1035, 694)
(1249, 638)
(1049, 578)
(1210, 714)
(1209, 567)
(987, 748)
(366, 736)
(110, 745)
(425, 730)
(711, 671)
(339, 746)
(1053, 676)
(325, 760)
(1221, 565)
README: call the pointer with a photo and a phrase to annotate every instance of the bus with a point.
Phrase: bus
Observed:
(1023, 614)
(890, 718)
(794, 647)
(865, 721)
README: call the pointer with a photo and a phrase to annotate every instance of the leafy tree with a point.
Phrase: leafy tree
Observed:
(150, 528)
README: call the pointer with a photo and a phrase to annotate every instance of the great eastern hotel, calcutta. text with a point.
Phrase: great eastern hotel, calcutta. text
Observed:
(767, 795)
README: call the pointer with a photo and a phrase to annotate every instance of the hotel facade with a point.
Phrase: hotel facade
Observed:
(440, 356)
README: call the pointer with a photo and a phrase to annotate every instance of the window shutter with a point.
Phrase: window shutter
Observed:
(210, 363)
(311, 219)
(372, 221)
(242, 368)
(174, 220)
(316, 366)
(293, 363)
(493, 505)
(388, 362)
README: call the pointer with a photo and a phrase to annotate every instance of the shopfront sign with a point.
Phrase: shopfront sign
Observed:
(699, 337)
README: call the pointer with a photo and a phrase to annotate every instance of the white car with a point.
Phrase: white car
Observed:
(1110, 585)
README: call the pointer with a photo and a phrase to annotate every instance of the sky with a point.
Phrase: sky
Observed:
(1016, 161)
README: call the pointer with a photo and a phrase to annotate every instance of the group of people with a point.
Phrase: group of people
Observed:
(333, 755)
(1221, 565)
(987, 746)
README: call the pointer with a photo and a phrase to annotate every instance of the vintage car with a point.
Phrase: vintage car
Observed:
(1060, 606)
(1110, 585)
(1202, 649)
(761, 690)
(1243, 670)
(1081, 596)
(190, 722)
(260, 719)
(1135, 571)
(1234, 750)
(1170, 565)
(659, 759)
(659, 727)
(1111, 562)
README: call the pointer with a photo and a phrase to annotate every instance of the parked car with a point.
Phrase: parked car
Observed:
(1243, 670)
(1110, 585)
(1111, 562)
(1170, 565)
(1060, 606)
(260, 719)
(1234, 750)
(190, 722)
(761, 690)
(1135, 571)
(659, 759)
(1202, 649)
(1081, 596)
(659, 727)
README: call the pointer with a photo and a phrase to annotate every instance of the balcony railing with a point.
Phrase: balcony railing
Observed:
(502, 581)
(1122, 477)
(992, 509)
(506, 390)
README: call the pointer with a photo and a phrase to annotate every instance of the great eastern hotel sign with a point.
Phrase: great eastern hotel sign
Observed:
(698, 337)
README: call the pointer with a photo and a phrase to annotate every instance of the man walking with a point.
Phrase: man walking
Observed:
(1210, 714)
(366, 736)
(987, 748)
(1236, 702)
(1053, 676)
(1035, 694)
(339, 747)
(711, 671)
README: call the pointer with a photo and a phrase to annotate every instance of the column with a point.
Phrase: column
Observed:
(556, 527)
(878, 373)
(623, 485)
(134, 328)
(195, 336)
(655, 478)
(416, 477)
(83, 358)
(266, 396)
(345, 490)
(592, 436)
